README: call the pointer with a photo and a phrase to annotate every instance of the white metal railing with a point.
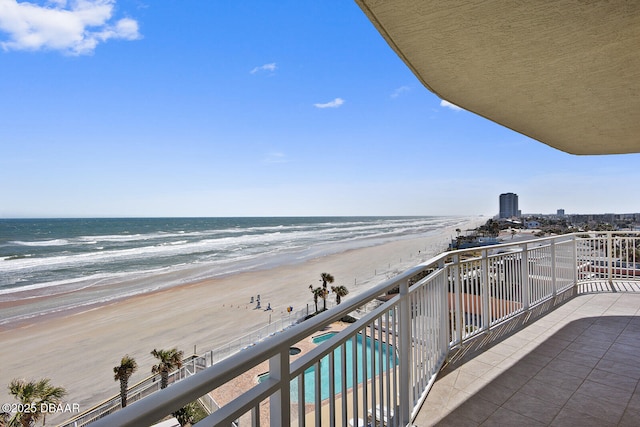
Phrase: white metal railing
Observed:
(191, 365)
(381, 367)
(136, 392)
(151, 384)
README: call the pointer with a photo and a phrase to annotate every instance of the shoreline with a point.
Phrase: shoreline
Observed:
(78, 350)
(33, 297)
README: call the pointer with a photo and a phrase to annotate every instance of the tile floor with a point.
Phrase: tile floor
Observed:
(578, 365)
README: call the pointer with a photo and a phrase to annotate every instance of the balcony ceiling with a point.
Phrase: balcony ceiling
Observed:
(566, 73)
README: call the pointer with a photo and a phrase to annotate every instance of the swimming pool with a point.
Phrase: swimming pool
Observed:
(387, 355)
(322, 338)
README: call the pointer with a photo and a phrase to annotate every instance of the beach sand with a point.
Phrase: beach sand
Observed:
(78, 351)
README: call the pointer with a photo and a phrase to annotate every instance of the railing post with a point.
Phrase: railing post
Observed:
(486, 291)
(255, 416)
(405, 398)
(574, 248)
(458, 298)
(610, 255)
(279, 402)
(554, 273)
(525, 276)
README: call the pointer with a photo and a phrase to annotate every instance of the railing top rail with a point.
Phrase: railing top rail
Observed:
(115, 400)
(180, 393)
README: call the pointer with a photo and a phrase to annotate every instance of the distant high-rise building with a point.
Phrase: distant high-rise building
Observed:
(508, 205)
(560, 212)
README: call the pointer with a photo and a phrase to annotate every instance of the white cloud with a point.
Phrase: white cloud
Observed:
(74, 27)
(275, 157)
(447, 104)
(266, 67)
(332, 104)
(402, 89)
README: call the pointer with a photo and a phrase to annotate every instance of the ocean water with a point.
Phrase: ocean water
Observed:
(119, 257)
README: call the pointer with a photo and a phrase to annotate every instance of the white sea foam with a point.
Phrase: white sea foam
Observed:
(77, 283)
(54, 242)
(132, 262)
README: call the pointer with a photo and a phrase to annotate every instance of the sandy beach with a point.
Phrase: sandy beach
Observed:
(78, 351)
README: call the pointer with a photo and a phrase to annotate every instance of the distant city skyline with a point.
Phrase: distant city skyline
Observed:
(293, 108)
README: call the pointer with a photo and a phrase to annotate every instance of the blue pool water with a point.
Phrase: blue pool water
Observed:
(388, 360)
(322, 338)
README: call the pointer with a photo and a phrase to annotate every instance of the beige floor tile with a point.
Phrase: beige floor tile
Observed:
(574, 367)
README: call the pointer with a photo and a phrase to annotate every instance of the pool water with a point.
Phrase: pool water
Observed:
(322, 338)
(388, 360)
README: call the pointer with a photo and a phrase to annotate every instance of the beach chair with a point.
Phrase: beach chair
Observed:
(353, 422)
(382, 414)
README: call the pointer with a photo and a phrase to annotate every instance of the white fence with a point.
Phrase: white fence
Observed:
(380, 368)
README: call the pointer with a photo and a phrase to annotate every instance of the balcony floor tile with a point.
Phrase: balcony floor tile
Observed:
(614, 380)
(504, 417)
(629, 419)
(530, 406)
(582, 368)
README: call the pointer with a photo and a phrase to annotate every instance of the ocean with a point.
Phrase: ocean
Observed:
(110, 258)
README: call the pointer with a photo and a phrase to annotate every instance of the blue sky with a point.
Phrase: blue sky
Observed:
(253, 108)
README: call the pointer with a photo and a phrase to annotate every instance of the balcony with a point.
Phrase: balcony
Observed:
(541, 331)
(579, 365)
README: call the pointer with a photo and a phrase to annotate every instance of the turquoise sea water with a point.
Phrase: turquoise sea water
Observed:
(111, 258)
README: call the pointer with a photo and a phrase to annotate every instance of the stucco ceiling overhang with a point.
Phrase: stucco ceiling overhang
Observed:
(566, 73)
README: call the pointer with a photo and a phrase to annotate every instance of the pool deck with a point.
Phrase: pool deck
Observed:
(249, 379)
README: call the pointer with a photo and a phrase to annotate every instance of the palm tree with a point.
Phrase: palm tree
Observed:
(33, 396)
(187, 414)
(494, 228)
(122, 373)
(169, 361)
(340, 291)
(317, 293)
(324, 294)
(325, 278)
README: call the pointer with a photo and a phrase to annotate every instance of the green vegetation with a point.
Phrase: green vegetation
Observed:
(323, 292)
(33, 396)
(340, 291)
(317, 293)
(190, 414)
(122, 373)
(169, 360)
(325, 278)
(554, 225)
(491, 228)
